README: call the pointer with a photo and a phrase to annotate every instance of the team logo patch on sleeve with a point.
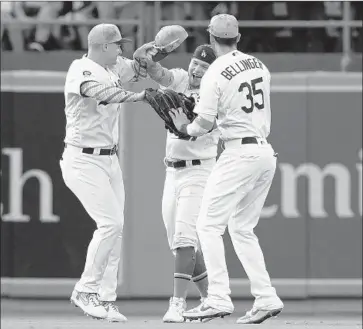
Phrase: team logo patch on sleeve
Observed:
(86, 73)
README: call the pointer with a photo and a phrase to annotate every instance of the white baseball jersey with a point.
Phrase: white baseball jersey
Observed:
(89, 122)
(204, 147)
(236, 88)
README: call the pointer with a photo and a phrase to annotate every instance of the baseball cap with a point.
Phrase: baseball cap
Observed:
(223, 26)
(205, 53)
(105, 33)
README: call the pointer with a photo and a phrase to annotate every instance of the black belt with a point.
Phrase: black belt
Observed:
(90, 150)
(250, 140)
(181, 163)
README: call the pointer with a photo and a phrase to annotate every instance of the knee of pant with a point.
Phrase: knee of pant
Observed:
(205, 227)
(245, 233)
(184, 242)
(112, 229)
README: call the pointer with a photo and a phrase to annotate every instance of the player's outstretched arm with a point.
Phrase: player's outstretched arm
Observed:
(143, 57)
(160, 74)
(201, 125)
(109, 94)
(207, 108)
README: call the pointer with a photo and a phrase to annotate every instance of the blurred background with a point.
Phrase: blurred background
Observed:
(311, 228)
(311, 27)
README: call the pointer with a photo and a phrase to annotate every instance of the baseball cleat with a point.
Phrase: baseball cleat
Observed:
(257, 316)
(89, 304)
(204, 313)
(177, 306)
(113, 313)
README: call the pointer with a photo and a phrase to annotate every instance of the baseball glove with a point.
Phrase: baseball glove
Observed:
(162, 101)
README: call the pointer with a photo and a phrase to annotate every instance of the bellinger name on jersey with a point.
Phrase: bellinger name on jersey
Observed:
(243, 65)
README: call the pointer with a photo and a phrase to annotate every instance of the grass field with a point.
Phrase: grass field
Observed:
(56, 314)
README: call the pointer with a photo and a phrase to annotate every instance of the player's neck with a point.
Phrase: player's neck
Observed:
(96, 58)
(221, 50)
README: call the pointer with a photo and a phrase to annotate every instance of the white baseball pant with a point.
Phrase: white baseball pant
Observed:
(234, 195)
(182, 197)
(97, 182)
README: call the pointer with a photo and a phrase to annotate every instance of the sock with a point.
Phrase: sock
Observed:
(184, 265)
(200, 276)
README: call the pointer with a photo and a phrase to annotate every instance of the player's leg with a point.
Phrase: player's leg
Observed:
(185, 241)
(228, 183)
(87, 178)
(200, 278)
(241, 229)
(168, 206)
(109, 283)
(245, 242)
(200, 275)
(176, 305)
(189, 184)
(192, 185)
(184, 245)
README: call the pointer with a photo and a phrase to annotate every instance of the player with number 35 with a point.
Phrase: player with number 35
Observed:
(234, 92)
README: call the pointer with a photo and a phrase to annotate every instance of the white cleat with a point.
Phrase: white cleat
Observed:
(197, 308)
(177, 306)
(113, 313)
(89, 304)
(205, 312)
(259, 315)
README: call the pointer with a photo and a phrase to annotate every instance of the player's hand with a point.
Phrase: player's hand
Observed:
(140, 96)
(146, 52)
(179, 118)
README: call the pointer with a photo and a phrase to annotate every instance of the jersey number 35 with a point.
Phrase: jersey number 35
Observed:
(252, 92)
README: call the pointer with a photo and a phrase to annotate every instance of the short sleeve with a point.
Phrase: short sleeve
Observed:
(124, 68)
(209, 94)
(77, 74)
(180, 78)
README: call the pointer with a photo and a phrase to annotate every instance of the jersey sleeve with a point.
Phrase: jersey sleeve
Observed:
(180, 76)
(124, 68)
(78, 74)
(209, 95)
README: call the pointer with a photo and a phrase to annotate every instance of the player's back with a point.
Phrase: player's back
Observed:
(244, 96)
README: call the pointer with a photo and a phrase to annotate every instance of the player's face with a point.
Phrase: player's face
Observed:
(196, 70)
(112, 51)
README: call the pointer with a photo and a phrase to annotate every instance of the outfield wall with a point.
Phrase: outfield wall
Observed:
(311, 230)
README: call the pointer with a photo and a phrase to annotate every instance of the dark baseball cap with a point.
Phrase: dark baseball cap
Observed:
(205, 53)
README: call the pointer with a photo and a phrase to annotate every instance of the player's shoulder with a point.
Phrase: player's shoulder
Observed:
(81, 68)
(179, 73)
(180, 79)
(257, 59)
(218, 63)
(79, 65)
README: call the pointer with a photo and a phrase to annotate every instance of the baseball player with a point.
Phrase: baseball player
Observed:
(188, 165)
(235, 91)
(90, 166)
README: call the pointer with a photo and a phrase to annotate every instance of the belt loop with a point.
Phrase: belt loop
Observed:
(96, 151)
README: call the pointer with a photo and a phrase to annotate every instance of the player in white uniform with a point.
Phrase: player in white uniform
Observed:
(188, 165)
(235, 91)
(90, 166)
